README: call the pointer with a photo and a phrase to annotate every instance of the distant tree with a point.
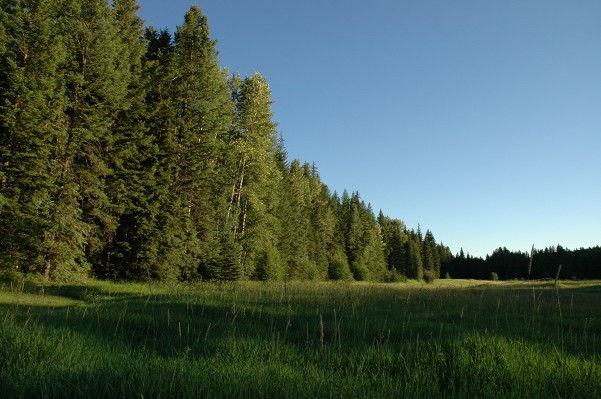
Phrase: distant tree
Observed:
(268, 264)
(294, 210)
(429, 276)
(372, 257)
(415, 268)
(431, 257)
(394, 237)
(339, 268)
(509, 265)
(363, 239)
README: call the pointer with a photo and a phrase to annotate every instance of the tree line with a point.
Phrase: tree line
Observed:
(583, 263)
(129, 153)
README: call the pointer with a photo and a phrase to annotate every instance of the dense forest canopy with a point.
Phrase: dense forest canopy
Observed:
(129, 153)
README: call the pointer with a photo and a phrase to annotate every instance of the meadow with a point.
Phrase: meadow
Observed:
(452, 338)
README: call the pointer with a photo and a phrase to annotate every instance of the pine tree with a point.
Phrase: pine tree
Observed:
(159, 253)
(372, 256)
(31, 124)
(132, 157)
(363, 239)
(204, 117)
(97, 83)
(333, 240)
(67, 87)
(189, 117)
(415, 268)
(355, 242)
(322, 243)
(397, 259)
(431, 257)
(293, 242)
(394, 239)
(446, 260)
(254, 192)
(140, 159)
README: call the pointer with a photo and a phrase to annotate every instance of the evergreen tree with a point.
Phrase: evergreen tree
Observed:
(372, 256)
(294, 238)
(446, 258)
(204, 117)
(364, 247)
(132, 157)
(189, 117)
(385, 228)
(138, 157)
(415, 268)
(268, 264)
(351, 222)
(159, 248)
(323, 244)
(33, 55)
(431, 257)
(355, 242)
(338, 266)
(254, 193)
(97, 84)
(394, 239)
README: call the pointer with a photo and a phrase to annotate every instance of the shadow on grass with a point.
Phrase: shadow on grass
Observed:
(171, 323)
(456, 336)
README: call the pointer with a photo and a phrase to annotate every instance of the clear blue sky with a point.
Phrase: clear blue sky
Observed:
(480, 120)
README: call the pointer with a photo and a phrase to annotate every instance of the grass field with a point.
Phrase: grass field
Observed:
(453, 338)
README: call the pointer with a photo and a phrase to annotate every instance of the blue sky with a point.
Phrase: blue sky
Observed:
(479, 120)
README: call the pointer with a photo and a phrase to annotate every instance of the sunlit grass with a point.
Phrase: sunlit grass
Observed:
(26, 299)
(453, 338)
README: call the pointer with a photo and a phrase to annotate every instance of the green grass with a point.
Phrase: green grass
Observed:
(463, 339)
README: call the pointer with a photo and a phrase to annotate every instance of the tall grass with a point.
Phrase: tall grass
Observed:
(450, 339)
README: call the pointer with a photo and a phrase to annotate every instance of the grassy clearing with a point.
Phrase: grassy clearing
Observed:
(453, 338)
(26, 299)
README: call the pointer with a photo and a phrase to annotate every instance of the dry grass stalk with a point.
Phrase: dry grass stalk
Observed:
(557, 275)
(321, 336)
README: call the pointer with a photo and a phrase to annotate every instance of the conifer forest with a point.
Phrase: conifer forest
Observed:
(157, 241)
(130, 153)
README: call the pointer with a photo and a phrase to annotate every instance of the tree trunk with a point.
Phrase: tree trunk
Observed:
(47, 271)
